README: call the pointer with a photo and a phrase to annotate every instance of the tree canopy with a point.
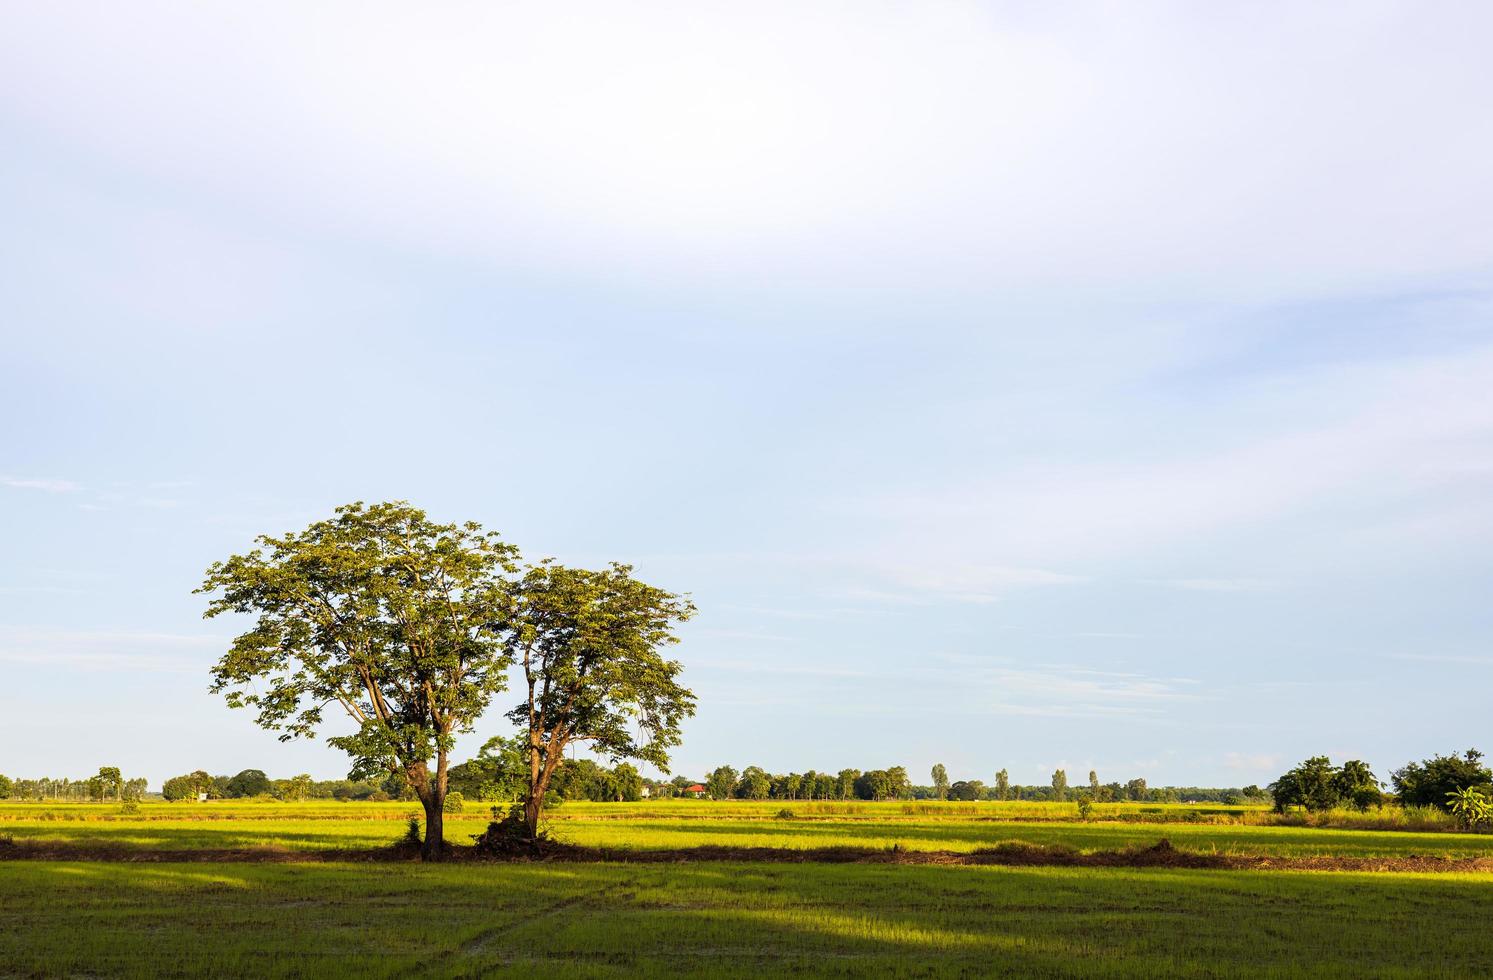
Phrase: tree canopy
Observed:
(588, 645)
(383, 612)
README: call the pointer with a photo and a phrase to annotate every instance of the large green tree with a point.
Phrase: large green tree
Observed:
(589, 647)
(384, 613)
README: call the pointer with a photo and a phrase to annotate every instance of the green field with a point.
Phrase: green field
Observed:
(121, 917)
(107, 919)
(922, 827)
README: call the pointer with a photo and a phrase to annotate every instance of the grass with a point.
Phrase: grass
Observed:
(669, 825)
(106, 919)
(560, 919)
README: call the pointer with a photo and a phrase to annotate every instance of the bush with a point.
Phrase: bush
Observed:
(455, 803)
(785, 814)
(1085, 807)
(129, 808)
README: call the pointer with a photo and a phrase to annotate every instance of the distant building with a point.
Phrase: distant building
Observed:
(694, 789)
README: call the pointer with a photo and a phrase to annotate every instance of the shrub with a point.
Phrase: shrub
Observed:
(785, 814)
(455, 803)
(1085, 806)
(129, 808)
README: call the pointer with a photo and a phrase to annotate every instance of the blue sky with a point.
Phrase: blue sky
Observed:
(1012, 385)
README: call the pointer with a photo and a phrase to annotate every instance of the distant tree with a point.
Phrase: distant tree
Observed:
(187, 787)
(295, 789)
(1136, 790)
(754, 783)
(967, 791)
(1002, 785)
(845, 783)
(383, 612)
(793, 785)
(680, 784)
(1314, 785)
(250, 782)
(588, 645)
(1430, 783)
(499, 772)
(628, 781)
(940, 781)
(111, 783)
(7, 787)
(721, 783)
(824, 786)
(1060, 785)
(874, 784)
(1358, 786)
(1093, 785)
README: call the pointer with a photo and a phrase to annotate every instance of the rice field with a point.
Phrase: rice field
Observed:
(683, 824)
(609, 920)
(119, 917)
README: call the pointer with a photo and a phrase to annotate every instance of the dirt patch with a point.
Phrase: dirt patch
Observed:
(1160, 855)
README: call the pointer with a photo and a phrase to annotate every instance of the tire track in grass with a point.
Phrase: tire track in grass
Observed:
(479, 944)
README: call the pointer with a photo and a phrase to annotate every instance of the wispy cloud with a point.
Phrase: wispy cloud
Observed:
(110, 649)
(1470, 660)
(1215, 584)
(46, 486)
(1253, 762)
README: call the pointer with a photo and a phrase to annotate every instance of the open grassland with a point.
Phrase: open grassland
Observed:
(685, 824)
(547, 920)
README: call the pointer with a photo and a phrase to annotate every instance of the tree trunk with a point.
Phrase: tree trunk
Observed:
(432, 794)
(434, 848)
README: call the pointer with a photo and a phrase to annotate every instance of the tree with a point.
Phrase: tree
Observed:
(110, 782)
(1093, 785)
(1313, 786)
(967, 791)
(1002, 785)
(497, 773)
(384, 613)
(629, 783)
(588, 644)
(295, 789)
(1431, 782)
(845, 783)
(940, 781)
(250, 782)
(1060, 785)
(7, 787)
(186, 787)
(720, 783)
(1358, 786)
(755, 784)
(1136, 790)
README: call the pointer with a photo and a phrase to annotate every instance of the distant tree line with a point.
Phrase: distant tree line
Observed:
(108, 785)
(254, 784)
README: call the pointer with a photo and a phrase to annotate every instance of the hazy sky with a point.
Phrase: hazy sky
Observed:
(1011, 384)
